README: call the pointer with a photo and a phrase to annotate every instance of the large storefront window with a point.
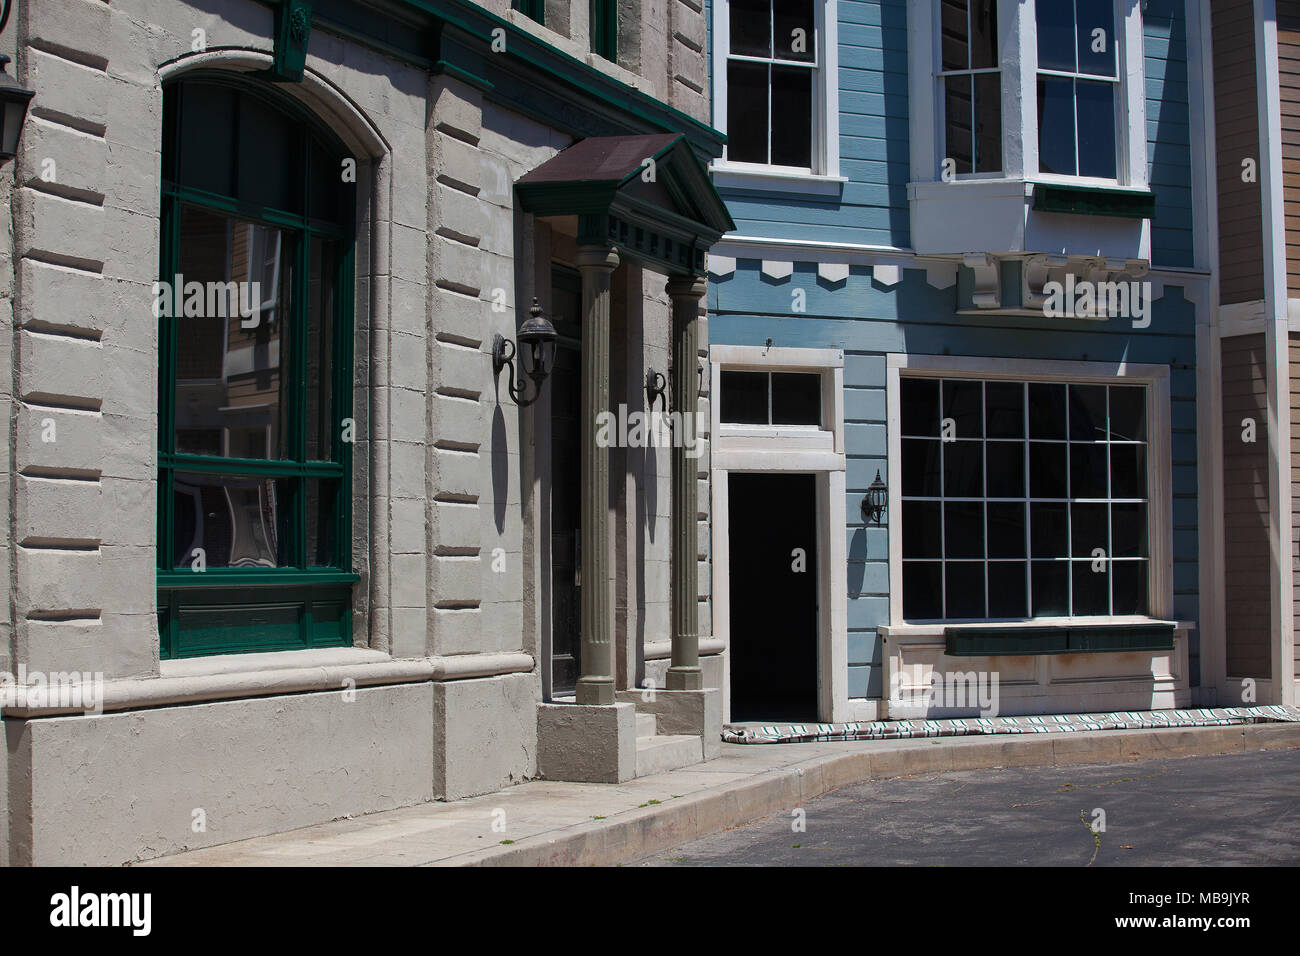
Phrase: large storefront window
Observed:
(1023, 499)
(255, 375)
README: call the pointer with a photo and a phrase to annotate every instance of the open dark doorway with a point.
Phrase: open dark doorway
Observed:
(566, 484)
(772, 521)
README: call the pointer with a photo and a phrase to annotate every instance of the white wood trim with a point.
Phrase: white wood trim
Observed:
(923, 118)
(826, 98)
(775, 358)
(1209, 382)
(1131, 163)
(1276, 334)
(1159, 472)
(831, 503)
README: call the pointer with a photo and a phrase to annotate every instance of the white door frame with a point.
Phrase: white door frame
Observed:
(789, 450)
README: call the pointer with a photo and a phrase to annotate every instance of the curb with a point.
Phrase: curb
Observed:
(636, 834)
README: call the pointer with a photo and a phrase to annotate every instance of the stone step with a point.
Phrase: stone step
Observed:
(667, 752)
(646, 725)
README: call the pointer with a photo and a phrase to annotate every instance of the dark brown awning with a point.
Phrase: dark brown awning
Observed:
(648, 195)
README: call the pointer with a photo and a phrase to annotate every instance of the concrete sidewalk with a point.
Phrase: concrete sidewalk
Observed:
(549, 823)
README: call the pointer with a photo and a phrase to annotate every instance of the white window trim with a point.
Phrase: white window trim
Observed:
(824, 175)
(1160, 583)
(1017, 30)
(736, 453)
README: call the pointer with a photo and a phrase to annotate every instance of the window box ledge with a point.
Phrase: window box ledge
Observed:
(1019, 216)
(1095, 201)
(776, 180)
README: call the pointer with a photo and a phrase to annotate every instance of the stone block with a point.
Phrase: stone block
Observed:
(584, 743)
(485, 734)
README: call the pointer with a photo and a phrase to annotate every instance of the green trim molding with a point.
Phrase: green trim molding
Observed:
(1094, 201)
(292, 33)
(530, 75)
(1065, 639)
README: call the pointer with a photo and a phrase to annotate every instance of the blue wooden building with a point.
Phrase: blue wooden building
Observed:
(955, 356)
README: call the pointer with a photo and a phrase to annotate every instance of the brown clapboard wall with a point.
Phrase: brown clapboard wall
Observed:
(1245, 507)
(1236, 121)
(1288, 58)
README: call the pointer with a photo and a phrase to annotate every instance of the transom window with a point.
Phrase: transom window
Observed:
(1023, 500)
(971, 85)
(1078, 87)
(771, 398)
(254, 316)
(772, 62)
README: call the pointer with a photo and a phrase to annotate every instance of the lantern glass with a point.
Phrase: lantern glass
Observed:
(13, 110)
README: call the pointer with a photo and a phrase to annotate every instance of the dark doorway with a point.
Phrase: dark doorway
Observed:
(772, 523)
(566, 481)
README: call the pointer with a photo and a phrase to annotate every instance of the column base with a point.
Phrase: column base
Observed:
(594, 691)
(685, 678)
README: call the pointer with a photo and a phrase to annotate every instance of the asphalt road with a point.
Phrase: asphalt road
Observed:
(1238, 809)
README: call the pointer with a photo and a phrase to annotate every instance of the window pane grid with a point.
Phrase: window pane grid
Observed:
(971, 88)
(770, 89)
(1074, 591)
(1078, 88)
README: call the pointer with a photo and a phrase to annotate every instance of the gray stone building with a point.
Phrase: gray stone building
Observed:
(283, 542)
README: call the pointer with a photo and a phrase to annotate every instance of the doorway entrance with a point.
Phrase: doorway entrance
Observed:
(772, 526)
(566, 483)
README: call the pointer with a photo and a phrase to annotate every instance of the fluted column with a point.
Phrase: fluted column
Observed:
(596, 685)
(684, 672)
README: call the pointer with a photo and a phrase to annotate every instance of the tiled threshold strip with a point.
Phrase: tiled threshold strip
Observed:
(975, 726)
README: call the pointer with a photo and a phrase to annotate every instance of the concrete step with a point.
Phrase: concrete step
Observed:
(646, 725)
(667, 752)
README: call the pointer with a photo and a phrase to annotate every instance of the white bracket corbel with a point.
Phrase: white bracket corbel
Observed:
(987, 293)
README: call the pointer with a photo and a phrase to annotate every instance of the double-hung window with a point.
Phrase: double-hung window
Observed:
(255, 378)
(772, 74)
(971, 85)
(1023, 500)
(1078, 88)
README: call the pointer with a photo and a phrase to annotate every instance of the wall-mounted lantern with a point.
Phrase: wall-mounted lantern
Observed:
(655, 384)
(537, 339)
(873, 503)
(13, 107)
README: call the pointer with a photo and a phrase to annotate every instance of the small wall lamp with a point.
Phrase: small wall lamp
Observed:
(13, 111)
(873, 503)
(14, 99)
(655, 384)
(537, 337)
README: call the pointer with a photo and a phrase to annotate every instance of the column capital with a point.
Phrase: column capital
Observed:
(686, 287)
(598, 257)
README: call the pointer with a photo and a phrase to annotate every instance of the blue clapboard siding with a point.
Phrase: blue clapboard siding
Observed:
(1168, 132)
(869, 320)
(874, 142)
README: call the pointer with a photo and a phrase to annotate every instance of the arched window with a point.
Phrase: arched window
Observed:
(254, 305)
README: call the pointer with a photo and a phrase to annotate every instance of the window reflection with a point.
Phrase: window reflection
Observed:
(228, 521)
(232, 356)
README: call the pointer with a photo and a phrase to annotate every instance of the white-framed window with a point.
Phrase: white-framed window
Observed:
(1023, 493)
(1078, 88)
(970, 85)
(775, 87)
(1060, 81)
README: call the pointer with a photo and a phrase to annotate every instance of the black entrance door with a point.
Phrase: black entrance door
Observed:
(566, 477)
(772, 523)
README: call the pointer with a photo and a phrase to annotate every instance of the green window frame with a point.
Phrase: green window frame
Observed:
(604, 29)
(532, 9)
(243, 160)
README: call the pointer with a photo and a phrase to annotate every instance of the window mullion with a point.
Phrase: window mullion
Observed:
(298, 310)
